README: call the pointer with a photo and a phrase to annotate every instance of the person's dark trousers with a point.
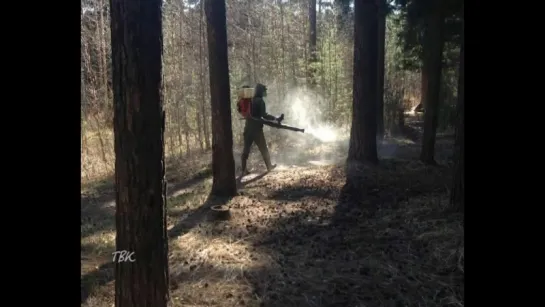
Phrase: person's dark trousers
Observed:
(258, 137)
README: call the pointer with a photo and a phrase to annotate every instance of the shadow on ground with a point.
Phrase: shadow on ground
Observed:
(389, 184)
(98, 213)
(189, 219)
(194, 217)
(102, 191)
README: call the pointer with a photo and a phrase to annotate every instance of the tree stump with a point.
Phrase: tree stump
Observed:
(220, 213)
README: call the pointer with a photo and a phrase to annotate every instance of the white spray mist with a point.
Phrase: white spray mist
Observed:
(305, 112)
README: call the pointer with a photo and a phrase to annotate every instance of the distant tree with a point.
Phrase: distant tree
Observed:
(139, 123)
(343, 8)
(312, 43)
(223, 163)
(458, 191)
(206, 133)
(363, 135)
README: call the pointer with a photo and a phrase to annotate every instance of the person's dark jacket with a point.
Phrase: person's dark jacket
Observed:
(258, 110)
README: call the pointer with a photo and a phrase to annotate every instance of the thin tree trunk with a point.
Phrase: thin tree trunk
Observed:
(336, 77)
(102, 57)
(180, 101)
(139, 124)
(184, 105)
(203, 87)
(323, 74)
(343, 8)
(312, 44)
(223, 163)
(254, 60)
(283, 43)
(423, 87)
(330, 77)
(381, 63)
(250, 42)
(458, 191)
(198, 118)
(102, 144)
(83, 85)
(293, 61)
(198, 110)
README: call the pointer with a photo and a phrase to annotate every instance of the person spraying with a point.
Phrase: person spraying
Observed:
(254, 111)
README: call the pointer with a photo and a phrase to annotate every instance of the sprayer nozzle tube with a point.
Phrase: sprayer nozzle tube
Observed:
(277, 125)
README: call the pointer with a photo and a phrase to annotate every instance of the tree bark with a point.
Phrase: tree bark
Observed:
(139, 123)
(223, 163)
(363, 135)
(381, 56)
(458, 192)
(432, 66)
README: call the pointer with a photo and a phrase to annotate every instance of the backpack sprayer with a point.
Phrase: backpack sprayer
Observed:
(244, 105)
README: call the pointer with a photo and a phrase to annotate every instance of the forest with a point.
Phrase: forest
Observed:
(363, 208)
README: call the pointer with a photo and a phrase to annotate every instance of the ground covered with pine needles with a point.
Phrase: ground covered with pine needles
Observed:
(290, 242)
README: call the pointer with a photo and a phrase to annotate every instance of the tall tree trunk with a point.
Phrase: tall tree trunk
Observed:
(180, 105)
(139, 124)
(312, 44)
(432, 65)
(185, 121)
(293, 60)
(198, 111)
(336, 77)
(322, 47)
(83, 91)
(250, 49)
(363, 135)
(198, 118)
(283, 46)
(458, 192)
(330, 77)
(381, 55)
(102, 58)
(223, 163)
(203, 88)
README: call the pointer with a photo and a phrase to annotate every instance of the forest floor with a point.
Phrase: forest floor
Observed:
(288, 244)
